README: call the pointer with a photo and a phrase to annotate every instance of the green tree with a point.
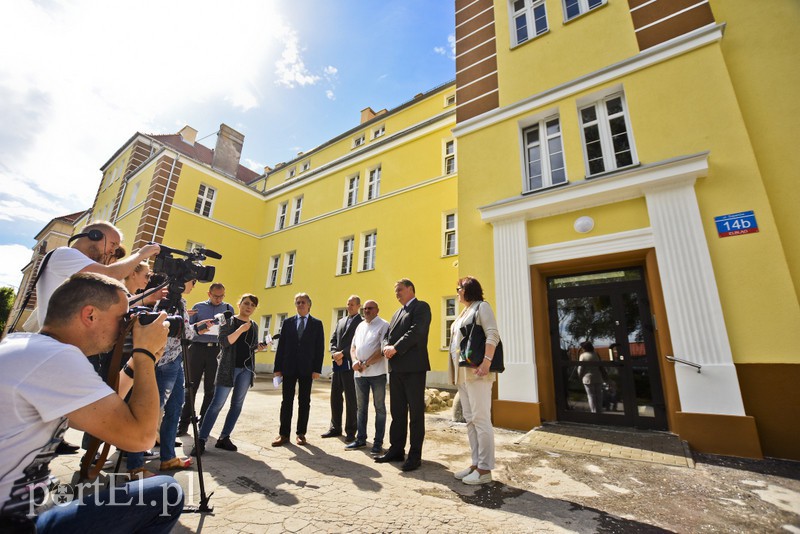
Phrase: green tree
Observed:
(6, 302)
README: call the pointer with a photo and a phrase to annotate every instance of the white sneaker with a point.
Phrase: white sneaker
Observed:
(475, 478)
(464, 472)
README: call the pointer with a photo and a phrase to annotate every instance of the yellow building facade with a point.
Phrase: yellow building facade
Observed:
(635, 204)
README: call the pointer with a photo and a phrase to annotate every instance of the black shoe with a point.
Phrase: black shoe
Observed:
(376, 449)
(66, 448)
(391, 456)
(355, 445)
(332, 433)
(183, 431)
(227, 444)
(349, 438)
(411, 464)
(201, 448)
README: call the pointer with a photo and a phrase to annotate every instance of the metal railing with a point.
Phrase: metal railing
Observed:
(684, 362)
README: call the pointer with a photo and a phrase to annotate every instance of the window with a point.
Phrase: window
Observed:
(449, 100)
(338, 315)
(272, 277)
(291, 173)
(370, 244)
(449, 242)
(449, 318)
(205, 201)
(280, 319)
(298, 207)
(544, 155)
(573, 8)
(529, 20)
(346, 246)
(266, 324)
(193, 245)
(606, 138)
(352, 191)
(288, 273)
(374, 183)
(280, 222)
(134, 194)
(450, 157)
(306, 165)
(379, 131)
(358, 141)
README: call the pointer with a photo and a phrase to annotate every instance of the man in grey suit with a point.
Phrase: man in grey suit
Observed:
(406, 348)
(299, 361)
(343, 380)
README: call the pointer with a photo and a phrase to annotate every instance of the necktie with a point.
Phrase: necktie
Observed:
(301, 327)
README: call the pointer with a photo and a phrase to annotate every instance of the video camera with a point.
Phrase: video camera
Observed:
(146, 316)
(180, 271)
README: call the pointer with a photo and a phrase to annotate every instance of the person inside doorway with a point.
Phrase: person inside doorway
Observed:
(591, 376)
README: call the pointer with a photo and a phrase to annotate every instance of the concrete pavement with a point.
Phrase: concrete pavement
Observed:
(556, 479)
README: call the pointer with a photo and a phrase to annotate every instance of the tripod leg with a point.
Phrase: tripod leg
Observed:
(203, 508)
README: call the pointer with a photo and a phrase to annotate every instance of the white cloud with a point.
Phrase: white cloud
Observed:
(15, 257)
(330, 70)
(290, 68)
(450, 51)
(330, 95)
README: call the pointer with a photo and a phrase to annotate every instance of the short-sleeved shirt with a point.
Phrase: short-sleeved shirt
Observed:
(42, 381)
(367, 340)
(64, 262)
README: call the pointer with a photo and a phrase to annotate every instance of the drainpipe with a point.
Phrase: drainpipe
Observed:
(164, 199)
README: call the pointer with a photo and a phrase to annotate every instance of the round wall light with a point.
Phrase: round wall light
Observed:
(583, 225)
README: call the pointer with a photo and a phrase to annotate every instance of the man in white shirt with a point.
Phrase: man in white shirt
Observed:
(370, 369)
(47, 382)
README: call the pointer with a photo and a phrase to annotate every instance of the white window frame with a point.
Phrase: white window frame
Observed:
(448, 318)
(584, 6)
(346, 255)
(297, 210)
(288, 267)
(279, 320)
(545, 155)
(380, 131)
(338, 315)
(373, 189)
(449, 100)
(291, 173)
(603, 123)
(280, 219)
(449, 233)
(265, 324)
(274, 269)
(359, 141)
(305, 166)
(351, 184)
(134, 194)
(191, 245)
(205, 200)
(369, 250)
(529, 11)
(449, 158)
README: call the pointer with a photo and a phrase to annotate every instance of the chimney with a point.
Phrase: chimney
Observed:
(228, 150)
(367, 114)
(188, 135)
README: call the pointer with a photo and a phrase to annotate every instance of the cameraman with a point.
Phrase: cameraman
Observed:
(47, 377)
(203, 352)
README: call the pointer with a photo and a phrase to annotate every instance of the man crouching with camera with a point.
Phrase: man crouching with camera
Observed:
(46, 382)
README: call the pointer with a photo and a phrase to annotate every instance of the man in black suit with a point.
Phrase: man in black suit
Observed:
(298, 361)
(343, 380)
(406, 348)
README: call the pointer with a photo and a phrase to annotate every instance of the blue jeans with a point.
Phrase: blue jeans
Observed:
(241, 383)
(378, 386)
(169, 378)
(152, 505)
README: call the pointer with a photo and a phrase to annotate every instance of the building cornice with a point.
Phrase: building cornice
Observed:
(612, 187)
(647, 58)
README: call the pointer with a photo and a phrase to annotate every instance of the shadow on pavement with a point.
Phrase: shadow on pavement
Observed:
(315, 458)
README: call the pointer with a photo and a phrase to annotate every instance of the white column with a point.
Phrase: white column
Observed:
(514, 311)
(694, 312)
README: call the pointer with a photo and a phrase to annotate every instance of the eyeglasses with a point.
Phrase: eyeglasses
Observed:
(459, 288)
(370, 307)
(213, 296)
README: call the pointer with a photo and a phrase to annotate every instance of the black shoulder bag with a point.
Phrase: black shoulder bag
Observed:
(473, 347)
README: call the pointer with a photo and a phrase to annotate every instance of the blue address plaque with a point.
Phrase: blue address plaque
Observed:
(736, 224)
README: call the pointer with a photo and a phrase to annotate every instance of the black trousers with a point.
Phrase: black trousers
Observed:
(201, 363)
(303, 386)
(407, 406)
(344, 382)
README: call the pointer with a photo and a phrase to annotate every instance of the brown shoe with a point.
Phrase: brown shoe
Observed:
(301, 439)
(176, 463)
(280, 440)
(140, 473)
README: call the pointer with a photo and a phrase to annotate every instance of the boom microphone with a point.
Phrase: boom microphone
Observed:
(210, 253)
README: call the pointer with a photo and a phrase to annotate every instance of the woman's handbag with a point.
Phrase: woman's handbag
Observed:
(473, 347)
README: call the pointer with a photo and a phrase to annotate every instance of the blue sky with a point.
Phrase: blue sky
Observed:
(79, 77)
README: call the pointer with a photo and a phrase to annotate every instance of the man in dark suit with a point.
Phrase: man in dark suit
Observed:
(343, 380)
(406, 348)
(298, 361)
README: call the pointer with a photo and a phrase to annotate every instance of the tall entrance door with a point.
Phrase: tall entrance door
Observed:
(616, 381)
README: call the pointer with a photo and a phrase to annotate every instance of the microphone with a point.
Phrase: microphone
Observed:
(210, 253)
(224, 317)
